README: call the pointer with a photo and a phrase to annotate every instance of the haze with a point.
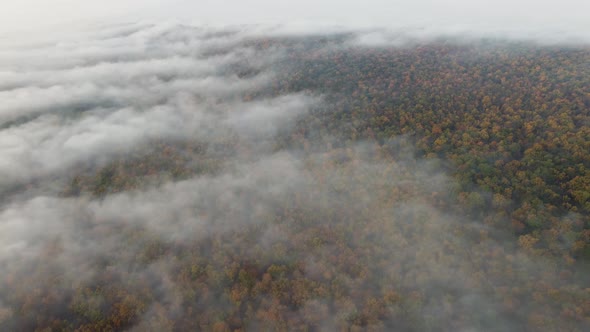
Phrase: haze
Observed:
(567, 19)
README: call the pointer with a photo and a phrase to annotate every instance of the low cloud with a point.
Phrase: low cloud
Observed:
(358, 221)
(53, 119)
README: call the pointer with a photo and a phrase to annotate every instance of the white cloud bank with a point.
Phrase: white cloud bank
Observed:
(567, 19)
(88, 99)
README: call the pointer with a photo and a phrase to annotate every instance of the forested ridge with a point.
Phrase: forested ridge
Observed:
(511, 120)
(441, 185)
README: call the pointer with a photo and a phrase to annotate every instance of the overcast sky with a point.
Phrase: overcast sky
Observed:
(561, 18)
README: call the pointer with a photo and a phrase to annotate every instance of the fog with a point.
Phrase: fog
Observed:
(77, 101)
(523, 18)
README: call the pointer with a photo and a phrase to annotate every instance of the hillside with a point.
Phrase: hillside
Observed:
(213, 181)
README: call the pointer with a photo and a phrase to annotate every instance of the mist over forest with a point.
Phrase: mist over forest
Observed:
(176, 177)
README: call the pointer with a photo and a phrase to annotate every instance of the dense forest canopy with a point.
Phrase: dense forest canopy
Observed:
(198, 179)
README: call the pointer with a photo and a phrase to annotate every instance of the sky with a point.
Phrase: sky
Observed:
(563, 19)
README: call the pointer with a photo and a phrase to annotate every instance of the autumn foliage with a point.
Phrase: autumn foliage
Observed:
(445, 186)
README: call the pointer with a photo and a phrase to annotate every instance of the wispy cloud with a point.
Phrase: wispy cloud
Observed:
(90, 100)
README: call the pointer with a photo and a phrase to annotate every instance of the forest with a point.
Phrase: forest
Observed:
(440, 185)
